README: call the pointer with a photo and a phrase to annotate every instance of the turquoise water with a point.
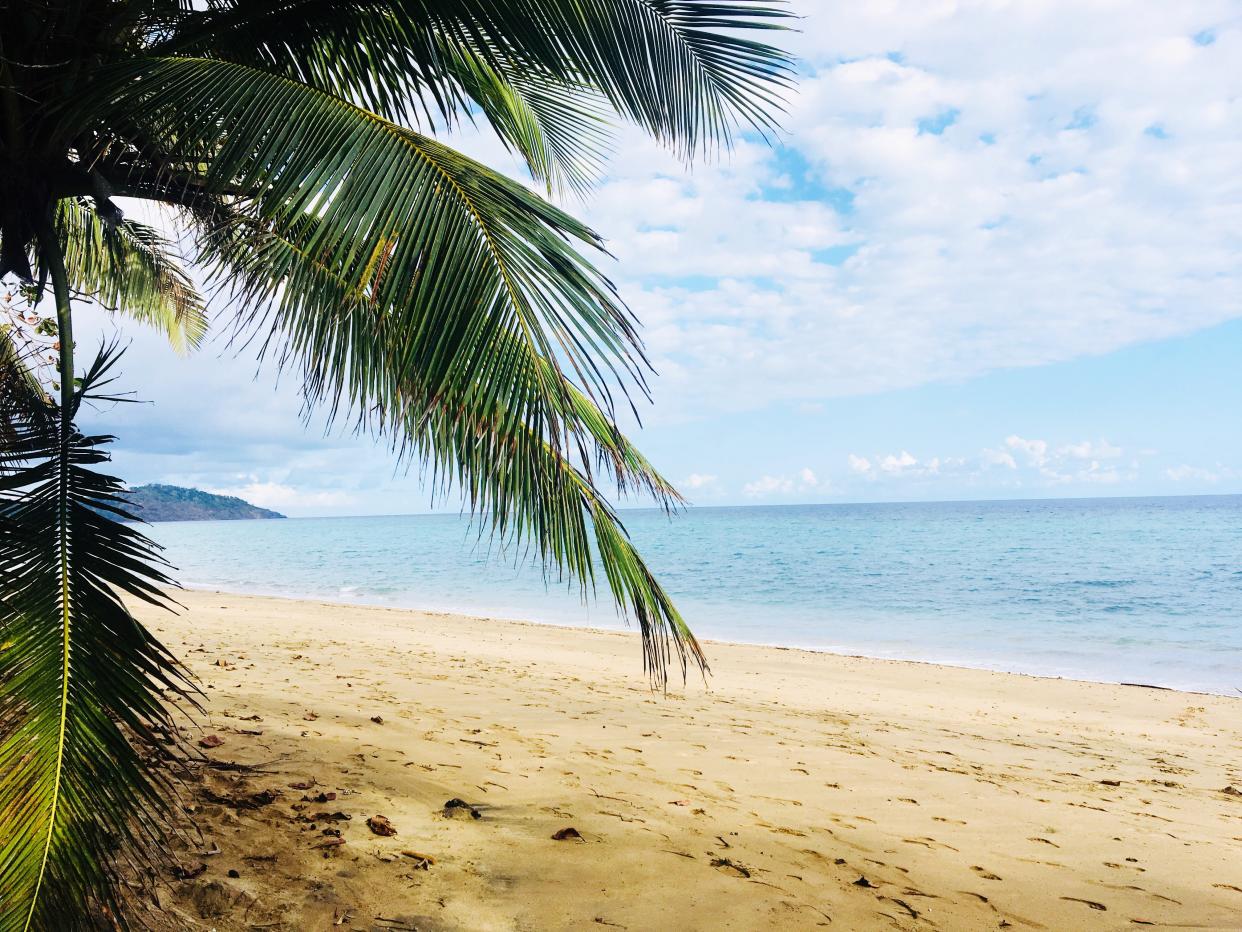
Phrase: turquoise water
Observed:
(1117, 590)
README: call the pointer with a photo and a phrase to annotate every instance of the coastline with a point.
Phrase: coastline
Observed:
(622, 627)
(794, 788)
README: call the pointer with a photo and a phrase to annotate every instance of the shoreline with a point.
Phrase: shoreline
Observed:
(796, 790)
(626, 628)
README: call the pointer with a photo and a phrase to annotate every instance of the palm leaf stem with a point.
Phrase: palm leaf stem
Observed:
(53, 259)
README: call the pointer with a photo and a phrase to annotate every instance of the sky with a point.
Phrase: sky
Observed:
(995, 252)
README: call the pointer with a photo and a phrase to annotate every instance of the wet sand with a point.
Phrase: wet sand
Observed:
(795, 791)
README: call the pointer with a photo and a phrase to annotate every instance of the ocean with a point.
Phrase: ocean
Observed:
(1115, 589)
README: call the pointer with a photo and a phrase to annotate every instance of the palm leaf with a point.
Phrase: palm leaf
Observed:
(22, 398)
(80, 680)
(560, 130)
(456, 250)
(501, 456)
(509, 470)
(682, 69)
(131, 269)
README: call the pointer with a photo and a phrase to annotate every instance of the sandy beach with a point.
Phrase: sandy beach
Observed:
(795, 790)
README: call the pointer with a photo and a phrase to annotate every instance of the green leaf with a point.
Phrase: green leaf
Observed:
(81, 682)
(684, 70)
(131, 269)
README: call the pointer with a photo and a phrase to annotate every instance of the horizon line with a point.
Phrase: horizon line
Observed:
(840, 504)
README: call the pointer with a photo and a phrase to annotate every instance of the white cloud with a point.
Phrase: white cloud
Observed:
(1187, 473)
(1043, 222)
(896, 464)
(1036, 451)
(859, 465)
(806, 481)
(696, 481)
(999, 458)
(768, 485)
(1086, 450)
(278, 495)
(1037, 463)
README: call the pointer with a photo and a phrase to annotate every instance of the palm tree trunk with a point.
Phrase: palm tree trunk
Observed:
(53, 257)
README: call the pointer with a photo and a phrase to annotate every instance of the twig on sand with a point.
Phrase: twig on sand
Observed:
(599, 795)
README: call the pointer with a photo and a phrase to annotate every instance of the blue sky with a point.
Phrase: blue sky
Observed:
(997, 252)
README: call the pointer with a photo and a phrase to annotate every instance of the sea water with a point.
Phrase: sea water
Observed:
(1117, 590)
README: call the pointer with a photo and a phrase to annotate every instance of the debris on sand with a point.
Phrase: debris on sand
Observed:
(421, 861)
(380, 825)
(567, 834)
(244, 801)
(460, 809)
(210, 741)
(727, 866)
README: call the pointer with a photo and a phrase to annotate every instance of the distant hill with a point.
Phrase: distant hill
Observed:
(174, 503)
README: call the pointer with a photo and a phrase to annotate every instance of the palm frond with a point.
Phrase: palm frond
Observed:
(80, 680)
(22, 398)
(130, 268)
(684, 70)
(537, 493)
(560, 130)
(455, 249)
(514, 461)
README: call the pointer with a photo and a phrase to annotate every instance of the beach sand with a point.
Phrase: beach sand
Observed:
(797, 790)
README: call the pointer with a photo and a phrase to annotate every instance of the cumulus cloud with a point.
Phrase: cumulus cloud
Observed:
(1088, 450)
(961, 188)
(859, 465)
(992, 457)
(696, 481)
(768, 485)
(895, 464)
(1030, 462)
(277, 495)
(1035, 451)
(805, 481)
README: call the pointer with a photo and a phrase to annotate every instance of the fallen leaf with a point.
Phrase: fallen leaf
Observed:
(381, 826)
(210, 741)
(567, 833)
(329, 817)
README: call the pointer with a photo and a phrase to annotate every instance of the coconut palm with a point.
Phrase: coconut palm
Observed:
(291, 145)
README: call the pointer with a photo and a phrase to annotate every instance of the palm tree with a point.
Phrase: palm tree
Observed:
(424, 298)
